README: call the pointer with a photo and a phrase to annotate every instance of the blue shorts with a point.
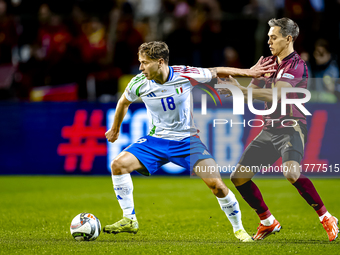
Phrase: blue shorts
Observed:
(154, 152)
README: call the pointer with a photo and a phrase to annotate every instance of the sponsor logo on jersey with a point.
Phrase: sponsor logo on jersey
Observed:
(287, 75)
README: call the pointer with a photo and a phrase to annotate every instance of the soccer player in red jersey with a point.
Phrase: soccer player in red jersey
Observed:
(276, 140)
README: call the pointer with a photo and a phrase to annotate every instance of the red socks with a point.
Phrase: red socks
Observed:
(309, 193)
(252, 195)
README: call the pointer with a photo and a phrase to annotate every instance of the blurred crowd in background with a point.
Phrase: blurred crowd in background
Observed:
(87, 50)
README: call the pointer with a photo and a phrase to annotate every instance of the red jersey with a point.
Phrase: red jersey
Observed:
(294, 71)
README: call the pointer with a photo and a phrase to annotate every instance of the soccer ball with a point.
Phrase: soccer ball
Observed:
(85, 227)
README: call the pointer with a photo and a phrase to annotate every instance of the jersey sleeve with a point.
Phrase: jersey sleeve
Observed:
(132, 89)
(198, 74)
(294, 73)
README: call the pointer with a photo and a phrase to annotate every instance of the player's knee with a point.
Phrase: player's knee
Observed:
(292, 176)
(241, 175)
(118, 166)
(235, 179)
(290, 172)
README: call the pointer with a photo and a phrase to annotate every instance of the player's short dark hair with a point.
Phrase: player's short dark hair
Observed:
(155, 50)
(288, 27)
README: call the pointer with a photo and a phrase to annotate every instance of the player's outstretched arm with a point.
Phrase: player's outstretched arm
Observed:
(232, 81)
(265, 95)
(256, 71)
(121, 110)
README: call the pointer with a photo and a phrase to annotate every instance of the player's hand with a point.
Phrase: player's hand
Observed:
(223, 91)
(258, 63)
(260, 69)
(111, 135)
(229, 81)
(234, 82)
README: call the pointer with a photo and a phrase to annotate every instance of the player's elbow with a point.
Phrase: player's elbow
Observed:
(123, 102)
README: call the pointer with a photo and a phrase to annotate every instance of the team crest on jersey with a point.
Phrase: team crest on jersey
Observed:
(164, 90)
(179, 90)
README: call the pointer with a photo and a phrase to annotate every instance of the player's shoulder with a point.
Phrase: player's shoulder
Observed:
(178, 68)
(295, 61)
(137, 81)
(185, 69)
(138, 78)
(294, 67)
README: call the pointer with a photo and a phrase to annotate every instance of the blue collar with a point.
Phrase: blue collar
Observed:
(171, 75)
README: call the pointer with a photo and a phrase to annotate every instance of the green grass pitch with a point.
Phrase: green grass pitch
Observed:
(176, 215)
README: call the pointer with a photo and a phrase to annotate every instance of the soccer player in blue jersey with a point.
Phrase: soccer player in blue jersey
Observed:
(166, 90)
(276, 140)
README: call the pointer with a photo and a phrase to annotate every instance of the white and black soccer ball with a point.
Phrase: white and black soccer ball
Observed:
(85, 227)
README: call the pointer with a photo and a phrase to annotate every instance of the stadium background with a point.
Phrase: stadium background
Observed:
(64, 65)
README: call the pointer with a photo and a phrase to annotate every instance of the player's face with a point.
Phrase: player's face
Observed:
(148, 66)
(277, 43)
